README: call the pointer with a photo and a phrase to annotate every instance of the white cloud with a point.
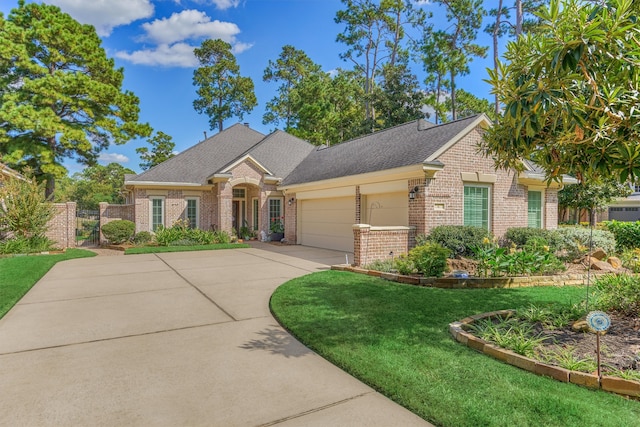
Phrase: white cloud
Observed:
(105, 14)
(189, 24)
(241, 47)
(171, 36)
(220, 4)
(113, 158)
(176, 55)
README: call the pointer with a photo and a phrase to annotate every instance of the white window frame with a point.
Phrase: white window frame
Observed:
(186, 211)
(542, 197)
(281, 199)
(489, 203)
(162, 205)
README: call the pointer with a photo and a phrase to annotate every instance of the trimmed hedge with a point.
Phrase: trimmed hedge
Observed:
(459, 239)
(119, 231)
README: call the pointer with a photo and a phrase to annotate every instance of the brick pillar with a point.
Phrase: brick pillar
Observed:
(225, 197)
(417, 209)
(360, 239)
(71, 224)
(103, 219)
(290, 218)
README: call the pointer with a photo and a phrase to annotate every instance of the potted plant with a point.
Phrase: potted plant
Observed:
(277, 229)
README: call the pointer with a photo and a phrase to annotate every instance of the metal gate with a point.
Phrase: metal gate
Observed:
(87, 227)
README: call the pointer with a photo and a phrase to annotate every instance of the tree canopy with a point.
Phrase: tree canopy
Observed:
(97, 184)
(222, 92)
(60, 95)
(162, 147)
(570, 93)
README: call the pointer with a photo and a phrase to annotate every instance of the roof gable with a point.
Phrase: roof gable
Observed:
(196, 164)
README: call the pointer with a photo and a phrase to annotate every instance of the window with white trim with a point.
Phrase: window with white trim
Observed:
(476, 206)
(534, 209)
(192, 212)
(156, 212)
(275, 212)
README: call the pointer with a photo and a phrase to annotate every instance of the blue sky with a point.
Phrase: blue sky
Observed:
(153, 41)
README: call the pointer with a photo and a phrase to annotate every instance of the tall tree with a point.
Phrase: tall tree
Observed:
(222, 92)
(289, 69)
(99, 183)
(162, 147)
(399, 98)
(458, 41)
(525, 22)
(373, 34)
(570, 104)
(327, 108)
(469, 104)
(60, 96)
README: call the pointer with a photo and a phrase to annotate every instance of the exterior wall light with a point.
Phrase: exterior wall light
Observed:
(291, 200)
(412, 193)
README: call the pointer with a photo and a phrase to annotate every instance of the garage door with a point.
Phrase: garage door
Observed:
(328, 223)
(386, 209)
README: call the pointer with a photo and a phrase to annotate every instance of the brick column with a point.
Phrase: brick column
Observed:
(103, 219)
(360, 239)
(225, 197)
(71, 224)
(417, 209)
(290, 218)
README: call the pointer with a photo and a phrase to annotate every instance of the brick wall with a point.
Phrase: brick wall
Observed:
(379, 243)
(443, 195)
(62, 227)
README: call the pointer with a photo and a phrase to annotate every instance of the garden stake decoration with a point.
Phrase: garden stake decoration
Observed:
(599, 322)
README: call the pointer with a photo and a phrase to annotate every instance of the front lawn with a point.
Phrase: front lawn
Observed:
(19, 274)
(162, 249)
(395, 338)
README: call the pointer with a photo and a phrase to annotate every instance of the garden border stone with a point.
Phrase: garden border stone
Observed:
(458, 330)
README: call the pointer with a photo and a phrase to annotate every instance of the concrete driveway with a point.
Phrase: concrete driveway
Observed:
(177, 339)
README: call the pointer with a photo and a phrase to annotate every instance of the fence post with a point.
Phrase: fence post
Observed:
(103, 219)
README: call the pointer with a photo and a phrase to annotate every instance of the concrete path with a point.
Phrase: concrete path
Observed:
(177, 339)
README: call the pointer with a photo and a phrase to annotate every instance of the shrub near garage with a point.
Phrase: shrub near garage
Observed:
(627, 234)
(459, 239)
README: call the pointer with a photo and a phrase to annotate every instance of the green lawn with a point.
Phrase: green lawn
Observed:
(19, 274)
(160, 249)
(395, 338)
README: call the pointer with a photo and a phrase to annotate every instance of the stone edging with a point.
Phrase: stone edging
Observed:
(616, 385)
(471, 282)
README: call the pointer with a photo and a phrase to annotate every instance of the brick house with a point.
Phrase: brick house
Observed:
(369, 196)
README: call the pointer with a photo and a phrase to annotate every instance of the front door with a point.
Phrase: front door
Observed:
(238, 210)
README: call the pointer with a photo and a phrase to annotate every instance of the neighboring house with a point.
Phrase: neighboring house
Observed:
(624, 209)
(370, 196)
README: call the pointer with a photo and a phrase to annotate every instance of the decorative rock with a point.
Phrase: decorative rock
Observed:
(599, 254)
(615, 262)
(601, 266)
(580, 326)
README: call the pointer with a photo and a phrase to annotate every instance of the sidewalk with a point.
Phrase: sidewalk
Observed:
(174, 339)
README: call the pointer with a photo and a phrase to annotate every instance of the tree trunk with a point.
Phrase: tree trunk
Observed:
(496, 56)
(50, 188)
(519, 17)
(454, 115)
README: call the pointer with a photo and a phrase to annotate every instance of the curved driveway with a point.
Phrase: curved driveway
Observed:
(177, 339)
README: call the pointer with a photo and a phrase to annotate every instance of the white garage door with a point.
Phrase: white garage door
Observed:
(328, 223)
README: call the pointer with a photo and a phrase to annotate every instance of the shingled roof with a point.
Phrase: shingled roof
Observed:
(196, 164)
(404, 145)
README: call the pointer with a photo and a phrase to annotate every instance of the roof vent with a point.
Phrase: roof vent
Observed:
(246, 124)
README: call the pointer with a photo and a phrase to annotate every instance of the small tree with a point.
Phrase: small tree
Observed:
(24, 211)
(591, 196)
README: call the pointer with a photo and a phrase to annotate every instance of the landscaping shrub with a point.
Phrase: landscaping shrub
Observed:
(119, 231)
(404, 265)
(575, 241)
(631, 259)
(24, 211)
(26, 245)
(142, 238)
(429, 259)
(386, 265)
(521, 236)
(459, 239)
(627, 234)
(222, 237)
(179, 232)
(498, 261)
(619, 293)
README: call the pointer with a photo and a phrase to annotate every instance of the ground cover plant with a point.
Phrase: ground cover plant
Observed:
(19, 274)
(395, 338)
